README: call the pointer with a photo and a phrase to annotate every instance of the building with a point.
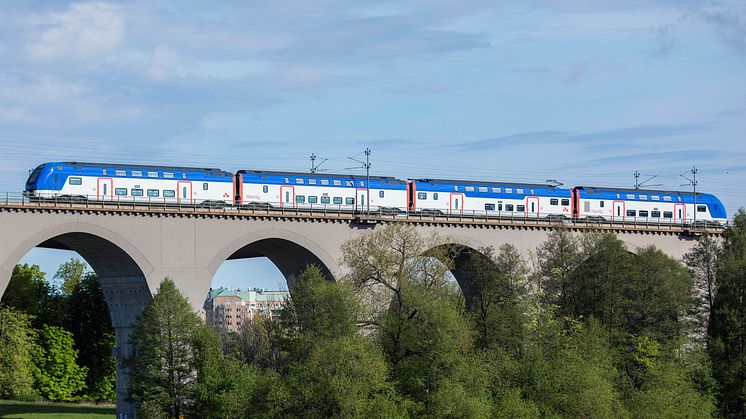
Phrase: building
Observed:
(229, 308)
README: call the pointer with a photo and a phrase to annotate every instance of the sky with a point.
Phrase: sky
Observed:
(584, 92)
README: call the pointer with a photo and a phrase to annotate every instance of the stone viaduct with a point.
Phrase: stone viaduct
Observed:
(132, 249)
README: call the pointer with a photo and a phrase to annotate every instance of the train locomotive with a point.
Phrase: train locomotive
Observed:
(167, 185)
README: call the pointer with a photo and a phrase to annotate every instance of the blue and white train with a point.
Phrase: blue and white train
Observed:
(316, 191)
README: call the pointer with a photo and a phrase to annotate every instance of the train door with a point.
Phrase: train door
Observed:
(287, 196)
(105, 189)
(457, 203)
(532, 206)
(360, 197)
(184, 192)
(679, 213)
(619, 211)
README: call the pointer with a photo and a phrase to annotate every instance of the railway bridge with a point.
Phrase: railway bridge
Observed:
(133, 247)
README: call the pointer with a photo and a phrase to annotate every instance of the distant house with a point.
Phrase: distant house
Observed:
(228, 308)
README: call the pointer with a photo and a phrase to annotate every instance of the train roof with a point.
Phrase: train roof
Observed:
(593, 189)
(144, 166)
(483, 182)
(319, 175)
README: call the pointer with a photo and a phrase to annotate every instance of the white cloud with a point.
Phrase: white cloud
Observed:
(162, 63)
(84, 31)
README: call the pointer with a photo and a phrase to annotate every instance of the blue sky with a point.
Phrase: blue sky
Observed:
(585, 92)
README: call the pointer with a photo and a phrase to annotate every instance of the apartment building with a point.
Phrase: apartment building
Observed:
(228, 308)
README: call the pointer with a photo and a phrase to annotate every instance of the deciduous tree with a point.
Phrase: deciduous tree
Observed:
(57, 375)
(16, 353)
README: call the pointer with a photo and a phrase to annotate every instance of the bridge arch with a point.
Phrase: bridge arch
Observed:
(289, 251)
(120, 268)
(466, 260)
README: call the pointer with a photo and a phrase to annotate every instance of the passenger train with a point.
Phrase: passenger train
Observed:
(167, 185)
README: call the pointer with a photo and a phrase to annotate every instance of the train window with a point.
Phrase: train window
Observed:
(602, 204)
(655, 214)
(520, 208)
(75, 181)
(120, 191)
(153, 193)
(104, 172)
(631, 213)
(337, 182)
(655, 197)
(532, 192)
(496, 190)
(701, 208)
(482, 189)
(618, 196)
(630, 196)
(380, 194)
(287, 180)
(469, 188)
(489, 207)
(499, 207)
(311, 181)
(152, 174)
(168, 175)
(300, 199)
(120, 172)
(136, 192)
(455, 188)
(350, 201)
(137, 173)
(362, 183)
(565, 202)
(205, 186)
(183, 175)
(435, 196)
(169, 193)
(337, 200)
(643, 197)
(508, 207)
(313, 199)
(325, 182)
(520, 191)
(421, 195)
(667, 214)
(265, 189)
(679, 198)
(325, 200)
(667, 198)
(508, 190)
(299, 180)
(349, 183)
(554, 201)
(643, 213)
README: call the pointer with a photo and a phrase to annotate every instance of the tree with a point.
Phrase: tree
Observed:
(500, 287)
(71, 273)
(163, 369)
(558, 258)
(26, 290)
(57, 375)
(702, 264)
(727, 331)
(16, 351)
(90, 323)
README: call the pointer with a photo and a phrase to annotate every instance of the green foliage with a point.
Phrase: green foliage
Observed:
(163, 369)
(70, 274)
(90, 323)
(26, 290)
(727, 331)
(57, 375)
(500, 287)
(16, 350)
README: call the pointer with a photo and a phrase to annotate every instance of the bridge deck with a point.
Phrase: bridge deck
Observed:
(476, 220)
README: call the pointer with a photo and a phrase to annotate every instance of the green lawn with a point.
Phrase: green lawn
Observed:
(42, 410)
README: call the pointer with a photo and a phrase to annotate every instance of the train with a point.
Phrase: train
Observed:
(189, 186)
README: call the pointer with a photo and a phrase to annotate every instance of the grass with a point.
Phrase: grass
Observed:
(46, 410)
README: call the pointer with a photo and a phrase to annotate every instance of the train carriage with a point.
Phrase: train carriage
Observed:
(110, 182)
(257, 188)
(646, 206)
(498, 199)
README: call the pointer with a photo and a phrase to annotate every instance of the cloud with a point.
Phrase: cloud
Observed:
(731, 27)
(84, 31)
(630, 134)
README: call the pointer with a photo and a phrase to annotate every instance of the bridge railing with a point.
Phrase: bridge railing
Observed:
(351, 212)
